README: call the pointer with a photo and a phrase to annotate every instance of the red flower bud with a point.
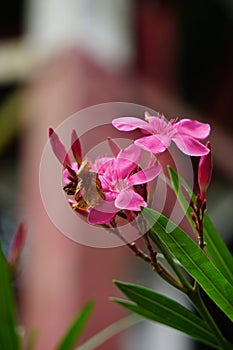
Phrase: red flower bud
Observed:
(17, 244)
(205, 172)
(76, 147)
(59, 149)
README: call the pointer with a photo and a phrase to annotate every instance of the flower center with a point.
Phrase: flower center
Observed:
(121, 184)
(161, 127)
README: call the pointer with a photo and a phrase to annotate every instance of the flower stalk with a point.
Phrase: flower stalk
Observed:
(185, 285)
(198, 217)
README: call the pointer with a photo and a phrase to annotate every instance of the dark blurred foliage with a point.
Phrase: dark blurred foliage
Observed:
(11, 18)
(189, 42)
(206, 55)
(223, 322)
(206, 71)
(11, 27)
(8, 180)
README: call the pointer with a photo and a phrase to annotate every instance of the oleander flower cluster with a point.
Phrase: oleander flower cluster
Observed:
(117, 186)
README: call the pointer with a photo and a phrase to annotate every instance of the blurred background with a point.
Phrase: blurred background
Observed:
(59, 57)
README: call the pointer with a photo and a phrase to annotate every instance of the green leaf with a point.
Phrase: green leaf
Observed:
(159, 308)
(72, 335)
(110, 331)
(9, 338)
(193, 260)
(215, 247)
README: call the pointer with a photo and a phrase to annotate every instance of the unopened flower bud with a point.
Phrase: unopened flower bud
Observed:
(17, 244)
(76, 147)
(205, 172)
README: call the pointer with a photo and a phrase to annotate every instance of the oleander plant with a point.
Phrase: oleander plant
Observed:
(112, 191)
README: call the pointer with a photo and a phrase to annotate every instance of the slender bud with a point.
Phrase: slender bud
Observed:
(17, 244)
(205, 172)
(76, 147)
(113, 146)
(58, 148)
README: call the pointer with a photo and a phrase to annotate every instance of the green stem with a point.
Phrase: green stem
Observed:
(167, 276)
(168, 256)
(159, 268)
(200, 306)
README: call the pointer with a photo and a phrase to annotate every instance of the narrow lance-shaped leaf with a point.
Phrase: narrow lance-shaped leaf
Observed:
(193, 260)
(215, 247)
(9, 339)
(73, 334)
(110, 331)
(159, 308)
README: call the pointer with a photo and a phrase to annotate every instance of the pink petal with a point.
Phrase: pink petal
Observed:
(151, 144)
(153, 160)
(76, 147)
(58, 148)
(113, 146)
(102, 213)
(96, 217)
(190, 146)
(131, 153)
(110, 196)
(129, 199)
(123, 167)
(165, 139)
(193, 128)
(131, 123)
(117, 168)
(145, 175)
(98, 166)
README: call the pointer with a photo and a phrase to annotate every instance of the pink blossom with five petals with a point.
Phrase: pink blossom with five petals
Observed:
(118, 176)
(186, 133)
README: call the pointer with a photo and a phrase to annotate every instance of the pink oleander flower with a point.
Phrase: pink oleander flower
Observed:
(118, 177)
(102, 189)
(186, 133)
(205, 172)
